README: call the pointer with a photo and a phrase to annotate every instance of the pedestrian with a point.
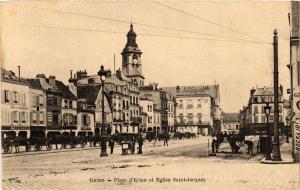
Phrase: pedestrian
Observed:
(133, 145)
(166, 138)
(111, 144)
(155, 138)
(17, 141)
(140, 142)
(249, 143)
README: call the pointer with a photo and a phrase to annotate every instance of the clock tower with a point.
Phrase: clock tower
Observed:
(131, 59)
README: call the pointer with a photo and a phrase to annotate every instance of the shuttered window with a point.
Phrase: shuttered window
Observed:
(33, 117)
(41, 118)
(23, 117)
(15, 117)
(41, 100)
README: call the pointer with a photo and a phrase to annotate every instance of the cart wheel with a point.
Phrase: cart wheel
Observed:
(83, 143)
(7, 148)
(28, 148)
(37, 147)
(49, 146)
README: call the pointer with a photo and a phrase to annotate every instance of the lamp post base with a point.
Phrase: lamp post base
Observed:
(103, 154)
(276, 159)
(276, 153)
(103, 147)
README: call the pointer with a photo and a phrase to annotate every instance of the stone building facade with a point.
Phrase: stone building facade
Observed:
(195, 108)
(294, 66)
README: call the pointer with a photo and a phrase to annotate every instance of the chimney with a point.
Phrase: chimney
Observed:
(40, 76)
(252, 91)
(19, 70)
(71, 74)
(52, 81)
(153, 86)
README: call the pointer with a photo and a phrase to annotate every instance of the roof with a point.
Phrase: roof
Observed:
(67, 94)
(230, 117)
(135, 72)
(115, 80)
(10, 76)
(265, 91)
(88, 92)
(34, 84)
(145, 96)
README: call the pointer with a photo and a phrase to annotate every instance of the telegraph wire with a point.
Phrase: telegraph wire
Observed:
(140, 34)
(136, 23)
(206, 20)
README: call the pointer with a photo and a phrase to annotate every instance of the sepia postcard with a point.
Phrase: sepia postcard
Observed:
(150, 95)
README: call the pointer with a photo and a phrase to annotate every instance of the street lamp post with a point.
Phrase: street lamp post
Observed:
(276, 148)
(102, 74)
(267, 109)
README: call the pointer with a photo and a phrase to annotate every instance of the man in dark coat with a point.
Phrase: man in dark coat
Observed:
(140, 142)
(166, 138)
(111, 144)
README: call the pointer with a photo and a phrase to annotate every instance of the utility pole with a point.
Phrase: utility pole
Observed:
(276, 149)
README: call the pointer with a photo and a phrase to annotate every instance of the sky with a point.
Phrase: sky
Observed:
(49, 42)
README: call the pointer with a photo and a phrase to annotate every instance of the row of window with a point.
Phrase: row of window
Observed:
(134, 100)
(199, 101)
(134, 113)
(261, 99)
(16, 117)
(263, 119)
(190, 106)
(260, 109)
(37, 117)
(190, 120)
(68, 104)
(69, 119)
(13, 97)
(37, 100)
(199, 115)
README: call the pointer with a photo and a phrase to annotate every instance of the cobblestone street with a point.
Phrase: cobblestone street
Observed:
(167, 166)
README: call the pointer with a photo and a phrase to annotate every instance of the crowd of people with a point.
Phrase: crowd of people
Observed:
(232, 139)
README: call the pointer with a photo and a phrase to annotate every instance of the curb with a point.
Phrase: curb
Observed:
(284, 161)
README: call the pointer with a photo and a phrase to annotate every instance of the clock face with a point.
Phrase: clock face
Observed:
(134, 61)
